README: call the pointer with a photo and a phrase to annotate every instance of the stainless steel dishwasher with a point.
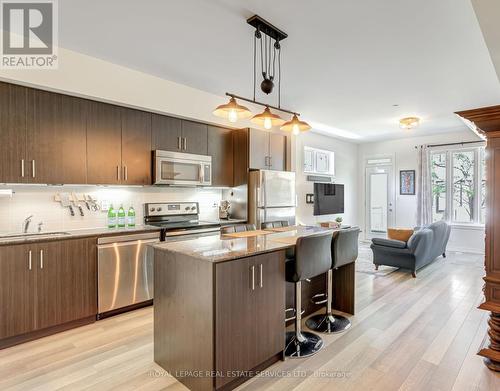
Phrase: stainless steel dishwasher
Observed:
(125, 271)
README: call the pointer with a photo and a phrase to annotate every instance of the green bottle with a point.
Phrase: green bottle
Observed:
(121, 217)
(111, 217)
(131, 216)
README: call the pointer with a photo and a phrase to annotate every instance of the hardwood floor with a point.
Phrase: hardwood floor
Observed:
(408, 334)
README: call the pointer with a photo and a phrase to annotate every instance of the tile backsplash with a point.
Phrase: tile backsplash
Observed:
(39, 202)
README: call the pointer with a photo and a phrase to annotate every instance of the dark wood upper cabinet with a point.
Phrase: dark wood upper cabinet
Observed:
(136, 147)
(17, 291)
(194, 136)
(13, 159)
(240, 157)
(220, 147)
(277, 152)
(166, 133)
(104, 147)
(57, 141)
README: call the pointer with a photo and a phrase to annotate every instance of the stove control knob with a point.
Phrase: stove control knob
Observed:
(152, 209)
(186, 208)
(193, 208)
(159, 209)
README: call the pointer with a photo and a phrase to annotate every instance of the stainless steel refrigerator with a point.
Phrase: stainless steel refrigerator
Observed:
(271, 197)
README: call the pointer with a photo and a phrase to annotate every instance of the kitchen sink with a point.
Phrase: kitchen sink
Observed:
(33, 235)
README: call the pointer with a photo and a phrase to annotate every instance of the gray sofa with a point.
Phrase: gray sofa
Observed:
(424, 246)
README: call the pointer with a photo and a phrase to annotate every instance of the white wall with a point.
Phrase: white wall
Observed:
(39, 202)
(405, 158)
(346, 172)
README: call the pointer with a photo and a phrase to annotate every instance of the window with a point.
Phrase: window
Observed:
(458, 185)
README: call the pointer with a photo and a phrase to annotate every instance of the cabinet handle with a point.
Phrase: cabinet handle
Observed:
(265, 161)
(33, 171)
(261, 282)
(270, 161)
(185, 143)
(179, 145)
(29, 260)
(41, 259)
(125, 173)
(253, 277)
(117, 173)
(22, 168)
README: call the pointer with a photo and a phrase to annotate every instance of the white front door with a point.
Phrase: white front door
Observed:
(379, 200)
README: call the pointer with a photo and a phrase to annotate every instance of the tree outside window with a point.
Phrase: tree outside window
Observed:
(458, 185)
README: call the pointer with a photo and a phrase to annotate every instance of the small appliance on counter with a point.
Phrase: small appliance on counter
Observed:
(224, 208)
(178, 220)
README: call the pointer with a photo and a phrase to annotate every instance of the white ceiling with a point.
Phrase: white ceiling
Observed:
(345, 63)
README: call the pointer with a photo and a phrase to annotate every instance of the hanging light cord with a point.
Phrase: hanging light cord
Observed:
(279, 73)
(254, 59)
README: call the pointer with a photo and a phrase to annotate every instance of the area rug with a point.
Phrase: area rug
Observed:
(364, 263)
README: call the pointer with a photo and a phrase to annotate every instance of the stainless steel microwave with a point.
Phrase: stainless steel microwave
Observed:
(174, 168)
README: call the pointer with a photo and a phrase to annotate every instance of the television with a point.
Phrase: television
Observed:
(328, 198)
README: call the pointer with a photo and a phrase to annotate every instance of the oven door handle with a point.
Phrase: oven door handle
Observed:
(192, 232)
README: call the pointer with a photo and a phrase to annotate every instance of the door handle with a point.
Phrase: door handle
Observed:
(41, 259)
(22, 168)
(33, 167)
(253, 277)
(29, 260)
(261, 282)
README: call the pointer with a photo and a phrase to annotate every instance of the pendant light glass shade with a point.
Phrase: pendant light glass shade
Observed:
(267, 119)
(232, 111)
(295, 125)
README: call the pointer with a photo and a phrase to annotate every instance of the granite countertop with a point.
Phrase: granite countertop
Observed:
(218, 248)
(73, 234)
(232, 221)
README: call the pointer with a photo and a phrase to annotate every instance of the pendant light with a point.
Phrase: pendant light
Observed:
(232, 111)
(267, 119)
(295, 125)
(268, 39)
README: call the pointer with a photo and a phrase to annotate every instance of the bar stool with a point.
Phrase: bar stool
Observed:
(312, 258)
(237, 228)
(344, 251)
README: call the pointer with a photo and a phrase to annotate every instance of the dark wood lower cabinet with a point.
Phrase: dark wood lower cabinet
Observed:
(46, 285)
(218, 320)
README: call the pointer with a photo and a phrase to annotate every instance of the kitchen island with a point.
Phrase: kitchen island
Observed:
(219, 313)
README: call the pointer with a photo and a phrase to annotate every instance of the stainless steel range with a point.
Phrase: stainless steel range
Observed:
(178, 220)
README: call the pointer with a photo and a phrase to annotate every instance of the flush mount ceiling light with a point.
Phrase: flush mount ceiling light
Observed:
(409, 122)
(232, 111)
(295, 125)
(268, 38)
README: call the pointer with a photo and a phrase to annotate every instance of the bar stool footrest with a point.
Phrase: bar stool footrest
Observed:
(294, 313)
(328, 324)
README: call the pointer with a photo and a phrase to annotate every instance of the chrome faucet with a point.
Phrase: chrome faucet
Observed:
(40, 225)
(26, 223)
